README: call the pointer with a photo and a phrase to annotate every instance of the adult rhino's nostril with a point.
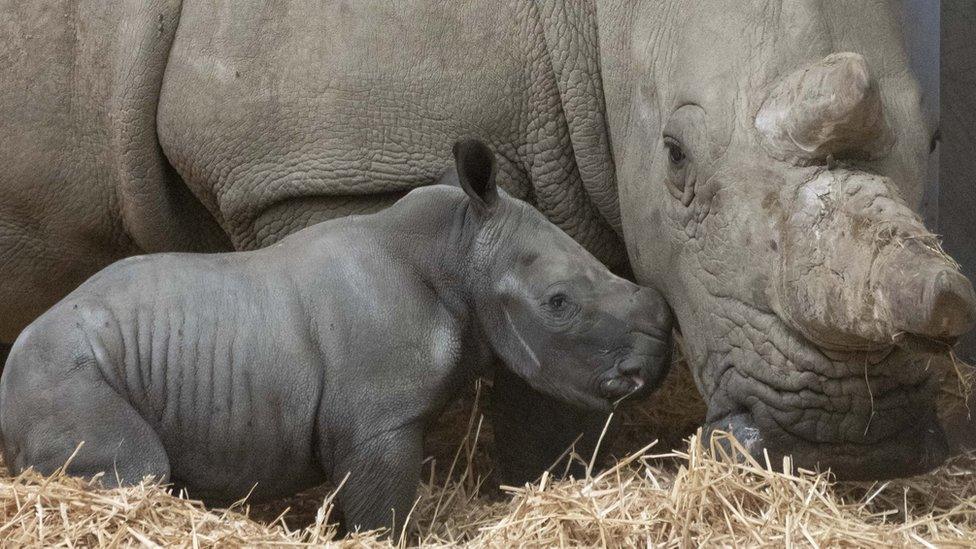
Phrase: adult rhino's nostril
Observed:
(953, 304)
(859, 357)
(937, 303)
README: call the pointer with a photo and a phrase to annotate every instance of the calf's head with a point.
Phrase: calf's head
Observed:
(550, 310)
(767, 182)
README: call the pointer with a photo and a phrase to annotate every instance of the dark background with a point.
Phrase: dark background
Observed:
(956, 213)
(945, 65)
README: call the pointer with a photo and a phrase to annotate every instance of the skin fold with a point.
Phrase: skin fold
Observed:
(326, 355)
(783, 235)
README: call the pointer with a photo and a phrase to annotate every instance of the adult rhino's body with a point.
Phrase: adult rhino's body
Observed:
(772, 214)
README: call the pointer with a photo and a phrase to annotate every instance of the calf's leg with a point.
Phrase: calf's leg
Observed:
(383, 474)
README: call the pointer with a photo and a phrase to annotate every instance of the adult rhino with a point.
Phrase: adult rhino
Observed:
(760, 159)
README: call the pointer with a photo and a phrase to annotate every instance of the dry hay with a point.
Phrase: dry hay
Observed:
(700, 495)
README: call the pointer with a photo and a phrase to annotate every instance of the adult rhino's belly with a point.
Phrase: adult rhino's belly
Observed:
(283, 119)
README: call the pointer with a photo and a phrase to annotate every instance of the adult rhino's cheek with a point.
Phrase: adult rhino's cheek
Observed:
(642, 247)
(645, 227)
(699, 319)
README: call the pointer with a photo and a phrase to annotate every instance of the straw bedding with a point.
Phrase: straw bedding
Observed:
(642, 495)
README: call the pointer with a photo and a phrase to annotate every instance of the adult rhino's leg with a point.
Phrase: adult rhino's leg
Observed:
(534, 432)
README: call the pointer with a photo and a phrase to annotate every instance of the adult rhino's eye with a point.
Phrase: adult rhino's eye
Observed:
(558, 302)
(675, 154)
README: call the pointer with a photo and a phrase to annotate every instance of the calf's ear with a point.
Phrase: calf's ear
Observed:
(476, 173)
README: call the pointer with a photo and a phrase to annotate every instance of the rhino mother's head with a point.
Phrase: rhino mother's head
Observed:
(767, 175)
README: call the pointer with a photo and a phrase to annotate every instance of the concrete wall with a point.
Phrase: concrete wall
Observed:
(957, 170)
(920, 22)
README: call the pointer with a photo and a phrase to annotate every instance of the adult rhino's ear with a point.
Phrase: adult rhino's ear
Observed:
(476, 173)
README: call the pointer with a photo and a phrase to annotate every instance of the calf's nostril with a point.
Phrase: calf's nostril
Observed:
(636, 381)
(631, 367)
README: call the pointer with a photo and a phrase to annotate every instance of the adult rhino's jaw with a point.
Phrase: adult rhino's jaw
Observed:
(860, 420)
(828, 363)
(832, 372)
(861, 291)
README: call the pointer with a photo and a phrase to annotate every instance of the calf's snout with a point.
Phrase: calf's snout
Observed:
(647, 363)
(642, 325)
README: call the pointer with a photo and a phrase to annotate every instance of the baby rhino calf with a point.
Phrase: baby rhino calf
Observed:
(325, 355)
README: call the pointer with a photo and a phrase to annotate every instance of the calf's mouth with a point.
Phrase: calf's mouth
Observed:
(639, 367)
(621, 386)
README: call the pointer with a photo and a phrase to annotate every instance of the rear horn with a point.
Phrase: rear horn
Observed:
(831, 108)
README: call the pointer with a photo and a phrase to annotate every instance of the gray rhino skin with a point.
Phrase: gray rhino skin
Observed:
(784, 233)
(327, 354)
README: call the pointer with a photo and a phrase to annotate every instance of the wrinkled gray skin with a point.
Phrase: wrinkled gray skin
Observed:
(784, 235)
(326, 354)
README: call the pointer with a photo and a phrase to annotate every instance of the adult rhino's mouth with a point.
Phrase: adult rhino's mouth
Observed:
(862, 415)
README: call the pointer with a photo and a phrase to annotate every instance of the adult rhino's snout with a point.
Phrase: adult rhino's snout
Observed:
(859, 271)
(927, 296)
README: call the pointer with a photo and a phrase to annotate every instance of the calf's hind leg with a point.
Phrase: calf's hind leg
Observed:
(44, 417)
